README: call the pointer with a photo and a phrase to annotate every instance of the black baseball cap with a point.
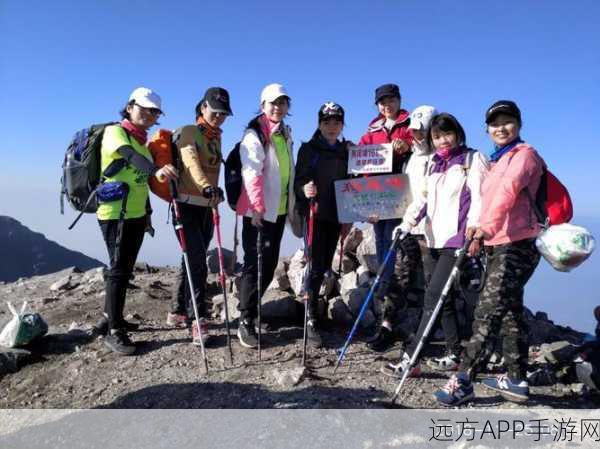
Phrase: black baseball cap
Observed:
(218, 100)
(506, 107)
(331, 110)
(387, 90)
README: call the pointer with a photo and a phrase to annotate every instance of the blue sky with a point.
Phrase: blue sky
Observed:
(67, 64)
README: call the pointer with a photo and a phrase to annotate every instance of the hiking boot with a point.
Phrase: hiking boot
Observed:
(382, 341)
(247, 334)
(397, 370)
(101, 327)
(510, 389)
(177, 319)
(458, 389)
(118, 341)
(312, 334)
(449, 362)
(204, 335)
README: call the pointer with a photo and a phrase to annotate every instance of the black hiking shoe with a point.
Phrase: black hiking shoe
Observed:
(312, 334)
(383, 341)
(101, 327)
(247, 334)
(118, 341)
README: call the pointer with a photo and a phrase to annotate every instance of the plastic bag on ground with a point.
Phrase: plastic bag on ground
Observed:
(565, 246)
(23, 328)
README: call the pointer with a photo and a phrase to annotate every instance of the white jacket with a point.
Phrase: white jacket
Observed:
(447, 217)
(416, 169)
(261, 178)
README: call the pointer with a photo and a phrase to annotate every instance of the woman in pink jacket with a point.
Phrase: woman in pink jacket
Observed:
(266, 201)
(508, 228)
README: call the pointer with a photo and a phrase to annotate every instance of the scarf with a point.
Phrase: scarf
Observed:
(268, 127)
(138, 134)
(501, 151)
(446, 153)
(209, 131)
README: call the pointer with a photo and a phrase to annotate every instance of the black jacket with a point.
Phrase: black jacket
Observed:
(322, 164)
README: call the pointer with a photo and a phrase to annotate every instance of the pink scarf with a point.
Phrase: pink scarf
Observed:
(444, 153)
(138, 134)
(268, 127)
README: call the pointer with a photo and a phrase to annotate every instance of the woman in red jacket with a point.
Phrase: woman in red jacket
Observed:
(390, 126)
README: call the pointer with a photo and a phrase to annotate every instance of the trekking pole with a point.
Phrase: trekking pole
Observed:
(179, 229)
(311, 223)
(399, 236)
(259, 284)
(222, 279)
(461, 255)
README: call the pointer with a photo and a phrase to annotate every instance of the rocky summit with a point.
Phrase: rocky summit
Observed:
(71, 368)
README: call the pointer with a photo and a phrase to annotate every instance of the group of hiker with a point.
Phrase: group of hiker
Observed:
(458, 195)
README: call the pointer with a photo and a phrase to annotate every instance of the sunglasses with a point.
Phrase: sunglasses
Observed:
(155, 112)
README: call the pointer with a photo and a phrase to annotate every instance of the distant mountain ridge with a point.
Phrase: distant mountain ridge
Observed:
(25, 253)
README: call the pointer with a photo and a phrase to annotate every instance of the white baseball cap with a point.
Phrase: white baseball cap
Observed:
(145, 98)
(272, 92)
(421, 117)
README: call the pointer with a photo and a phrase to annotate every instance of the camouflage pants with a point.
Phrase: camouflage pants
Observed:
(500, 309)
(407, 268)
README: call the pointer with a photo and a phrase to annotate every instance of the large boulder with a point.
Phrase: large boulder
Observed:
(278, 304)
(296, 272)
(280, 278)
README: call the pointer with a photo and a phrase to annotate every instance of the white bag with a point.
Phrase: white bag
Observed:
(565, 246)
(23, 328)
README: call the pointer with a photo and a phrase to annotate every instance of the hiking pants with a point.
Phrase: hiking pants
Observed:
(271, 240)
(383, 230)
(444, 260)
(500, 309)
(198, 229)
(119, 273)
(325, 239)
(407, 265)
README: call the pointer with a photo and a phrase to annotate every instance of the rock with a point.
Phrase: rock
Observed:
(63, 284)
(48, 299)
(144, 267)
(11, 359)
(73, 326)
(280, 278)
(212, 260)
(218, 309)
(364, 276)
(329, 286)
(556, 353)
(339, 312)
(348, 283)
(355, 298)
(296, 272)
(366, 252)
(278, 304)
(289, 378)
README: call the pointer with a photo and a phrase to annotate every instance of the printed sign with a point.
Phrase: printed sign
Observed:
(386, 196)
(370, 159)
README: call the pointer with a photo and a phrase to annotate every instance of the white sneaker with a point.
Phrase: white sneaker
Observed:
(449, 362)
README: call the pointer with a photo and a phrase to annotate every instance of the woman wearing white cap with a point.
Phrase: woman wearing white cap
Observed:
(126, 165)
(267, 198)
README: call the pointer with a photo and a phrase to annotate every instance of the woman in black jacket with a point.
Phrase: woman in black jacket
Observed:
(321, 161)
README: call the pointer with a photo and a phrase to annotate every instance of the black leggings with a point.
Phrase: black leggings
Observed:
(119, 273)
(325, 238)
(271, 240)
(444, 260)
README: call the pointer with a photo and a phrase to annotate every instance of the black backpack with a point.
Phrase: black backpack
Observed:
(81, 169)
(233, 168)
